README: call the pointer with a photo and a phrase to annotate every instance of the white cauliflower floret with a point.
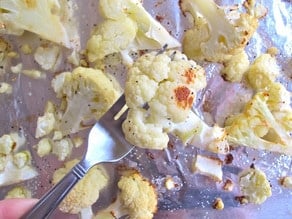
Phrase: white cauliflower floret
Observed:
(164, 100)
(235, 67)
(140, 132)
(216, 35)
(137, 198)
(127, 27)
(86, 191)
(263, 71)
(265, 122)
(110, 38)
(254, 185)
(258, 127)
(220, 35)
(88, 94)
(48, 19)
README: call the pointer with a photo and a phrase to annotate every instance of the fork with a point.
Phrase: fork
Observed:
(106, 143)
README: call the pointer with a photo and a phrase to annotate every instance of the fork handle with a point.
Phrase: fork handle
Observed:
(50, 201)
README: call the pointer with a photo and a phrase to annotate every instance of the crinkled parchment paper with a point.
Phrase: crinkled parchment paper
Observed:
(193, 194)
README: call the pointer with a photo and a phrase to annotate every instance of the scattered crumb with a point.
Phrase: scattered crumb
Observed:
(208, 166)
(228, 185)
(286, 182)
(218, 204)
(26, 49)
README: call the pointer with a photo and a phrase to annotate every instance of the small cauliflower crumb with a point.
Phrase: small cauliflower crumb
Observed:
(16, 69)
(5, 88)
(26, 49)
(77, 141)
(47, 56)
(21, 159)
(254, 185)
(86, 191)
(33, 73)
(6, 144)
(169, 183)
(286, 182)
(208, 166)
(44, 147)
(62, 148)
(218, 204)
(228, 185)
(45, 124)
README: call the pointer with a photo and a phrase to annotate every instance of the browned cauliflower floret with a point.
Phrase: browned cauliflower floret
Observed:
(86, 191)
(137, 198)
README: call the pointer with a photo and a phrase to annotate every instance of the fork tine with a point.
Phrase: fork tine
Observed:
(109, 115)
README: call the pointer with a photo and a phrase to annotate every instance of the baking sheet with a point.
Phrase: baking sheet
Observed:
(194, 194)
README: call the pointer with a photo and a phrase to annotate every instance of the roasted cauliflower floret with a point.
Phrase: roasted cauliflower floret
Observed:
(127, 27)
(254, 185)
(166, 99)
(265, 123)
(148, 134)
(86, 191)
(216, 35)
(48, 19)
(220, 35)
(263, 71)
(236, 67)
(137, 198)
(88, 93)
(260, 128)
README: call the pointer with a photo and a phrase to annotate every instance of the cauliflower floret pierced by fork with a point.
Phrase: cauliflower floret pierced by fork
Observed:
(160, 91)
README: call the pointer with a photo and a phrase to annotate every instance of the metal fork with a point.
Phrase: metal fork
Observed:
(106, 143)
